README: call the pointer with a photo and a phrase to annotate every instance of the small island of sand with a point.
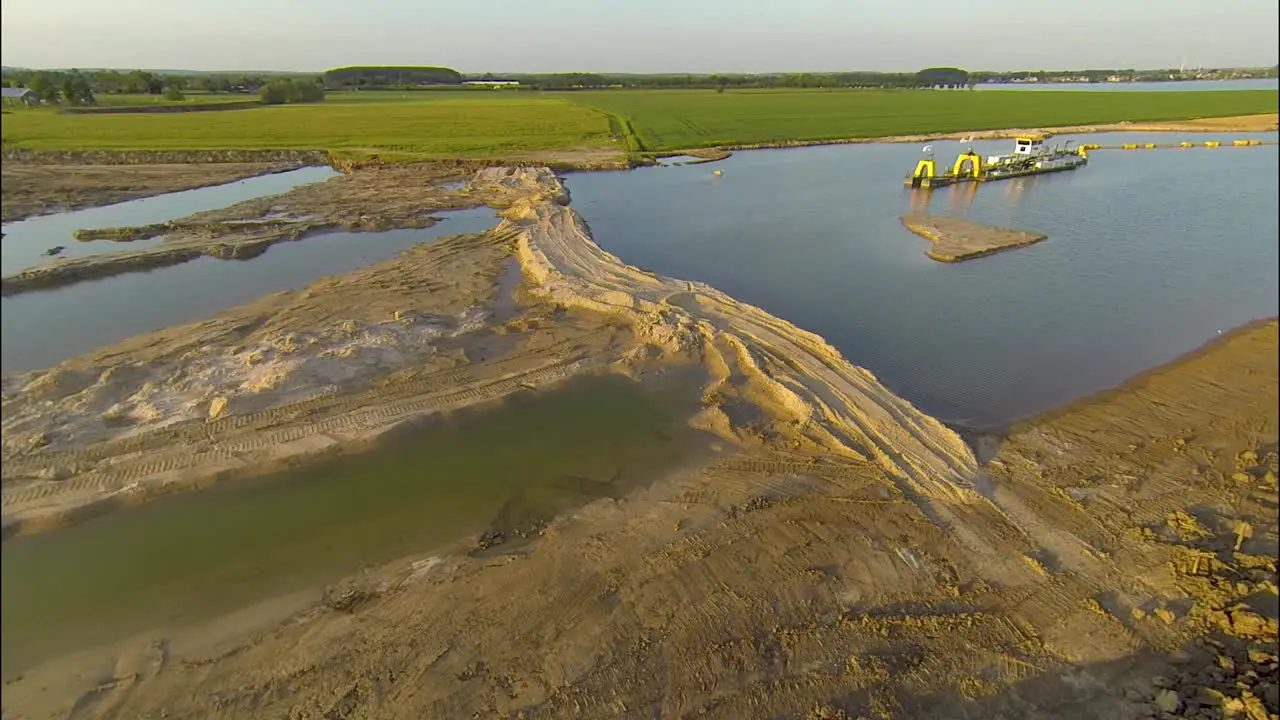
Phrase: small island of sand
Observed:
(955, 239)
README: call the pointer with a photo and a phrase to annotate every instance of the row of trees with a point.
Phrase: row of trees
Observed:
(289, 90)
(79, 87)
(929, 77)
(402, 77)
(390, 76)
(71, 88)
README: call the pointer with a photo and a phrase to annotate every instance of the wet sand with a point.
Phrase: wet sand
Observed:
(32, 189)
(360, 200)
(848, 555)
(955, 240)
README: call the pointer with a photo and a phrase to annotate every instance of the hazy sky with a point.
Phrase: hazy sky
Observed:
(640, 35)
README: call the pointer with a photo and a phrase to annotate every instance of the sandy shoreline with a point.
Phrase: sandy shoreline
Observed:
(852, 554)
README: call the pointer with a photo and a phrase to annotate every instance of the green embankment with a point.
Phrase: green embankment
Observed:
(473, 124)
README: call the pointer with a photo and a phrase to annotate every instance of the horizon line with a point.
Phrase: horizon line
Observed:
(176, 71)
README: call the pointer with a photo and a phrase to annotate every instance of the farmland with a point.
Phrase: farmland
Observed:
(453, 125)
(471, 124)
(673, 120)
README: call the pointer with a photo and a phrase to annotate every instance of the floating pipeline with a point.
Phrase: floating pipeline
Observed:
(1182, 145)
(1031, 158)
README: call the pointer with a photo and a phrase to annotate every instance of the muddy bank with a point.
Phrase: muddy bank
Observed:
(852, 556)
(42, 188)
(956, 240)
(361, 200)
(39, 182)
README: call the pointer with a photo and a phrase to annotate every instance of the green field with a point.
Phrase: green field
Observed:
(674, 120)
(496, 124)
(453, 125)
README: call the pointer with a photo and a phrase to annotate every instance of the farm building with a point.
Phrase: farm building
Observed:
(495, 84)
(15, 96)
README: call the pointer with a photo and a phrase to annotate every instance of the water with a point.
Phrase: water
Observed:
(1185, 85)
(26, 241)
(198, 556)
(40, 329)
(1150, 254)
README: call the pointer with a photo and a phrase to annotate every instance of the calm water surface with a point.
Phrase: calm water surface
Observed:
(1254, 84)
(1150, 254)
(43, 328)
(26, 241)
(198, 556)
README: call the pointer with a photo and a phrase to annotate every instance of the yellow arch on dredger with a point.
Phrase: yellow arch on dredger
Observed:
(926, 168)
(975, 165)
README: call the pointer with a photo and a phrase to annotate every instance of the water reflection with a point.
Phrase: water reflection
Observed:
(960, 199)
(26, 242)
(918, 203)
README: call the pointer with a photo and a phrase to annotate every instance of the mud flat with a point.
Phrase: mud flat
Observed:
(955, 240)
(849, 556)
(367, 199)
(32, 189)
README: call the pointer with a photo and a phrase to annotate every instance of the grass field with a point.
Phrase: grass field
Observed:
(665, 120)
(458, 125)
(496, 124)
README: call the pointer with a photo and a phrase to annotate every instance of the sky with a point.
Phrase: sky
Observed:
(724, 36)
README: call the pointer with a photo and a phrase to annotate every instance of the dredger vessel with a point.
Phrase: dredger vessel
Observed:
(1030, 156)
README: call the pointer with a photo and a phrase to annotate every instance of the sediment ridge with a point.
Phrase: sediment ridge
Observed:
(69, 432)
(955, 240)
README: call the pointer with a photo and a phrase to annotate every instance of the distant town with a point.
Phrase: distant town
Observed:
(1123, 76)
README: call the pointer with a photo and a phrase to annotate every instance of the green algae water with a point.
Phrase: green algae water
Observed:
(180, 560)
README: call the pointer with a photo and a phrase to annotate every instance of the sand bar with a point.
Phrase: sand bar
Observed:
(955, 239)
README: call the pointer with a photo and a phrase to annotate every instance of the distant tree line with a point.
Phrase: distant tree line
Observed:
(409, 77)
(390, 77)
(80, 87)
(928, 78)
(291, 90)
